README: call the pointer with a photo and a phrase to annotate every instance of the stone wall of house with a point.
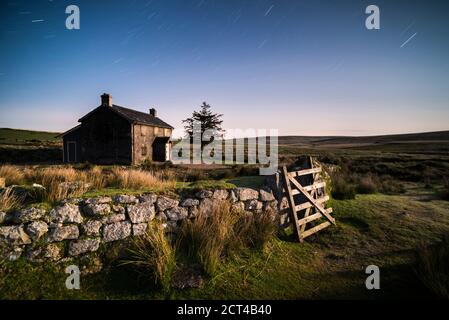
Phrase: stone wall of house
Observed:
(78, 227)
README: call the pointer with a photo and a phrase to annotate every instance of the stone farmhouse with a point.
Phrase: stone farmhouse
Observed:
(111, 134)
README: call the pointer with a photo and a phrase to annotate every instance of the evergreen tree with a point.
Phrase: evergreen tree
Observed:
(207, 119)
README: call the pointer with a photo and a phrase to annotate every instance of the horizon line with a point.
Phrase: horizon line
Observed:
(289, 135)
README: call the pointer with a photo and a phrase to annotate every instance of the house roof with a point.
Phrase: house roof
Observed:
(133, 116)
(140, 117)
(68, 131)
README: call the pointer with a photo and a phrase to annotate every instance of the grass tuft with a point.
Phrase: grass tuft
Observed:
(205, 238)
(213, 236)
(60, 182)
(432, 267)
(258, 229)
(138, 179)
(8, 200)
(154, 253)
(12, 174)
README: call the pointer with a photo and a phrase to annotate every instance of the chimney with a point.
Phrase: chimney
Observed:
(153, 112)
(106, 100)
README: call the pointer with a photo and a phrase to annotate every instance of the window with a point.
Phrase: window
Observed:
(144, 151)
(142, 130)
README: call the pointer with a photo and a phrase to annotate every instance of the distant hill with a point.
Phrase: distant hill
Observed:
(365, 141)
(27, 146)
(26, 137)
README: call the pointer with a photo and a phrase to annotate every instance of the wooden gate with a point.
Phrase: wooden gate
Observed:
(306, 198)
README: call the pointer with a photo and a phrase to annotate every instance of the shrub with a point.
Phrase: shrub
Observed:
(151, 166)
(194, 175)
(345, 185)
(247, 170)
(12, 174)
(432, 267)
(342, 188)
(368, 184)
(83, 166)
(391, 186)
(330, 158)
(155, 254)
(445, 191)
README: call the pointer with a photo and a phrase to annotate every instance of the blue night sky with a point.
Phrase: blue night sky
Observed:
(303, 67)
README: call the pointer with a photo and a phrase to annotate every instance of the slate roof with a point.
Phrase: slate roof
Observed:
(140, 117)
(68, 131)
(134, 116)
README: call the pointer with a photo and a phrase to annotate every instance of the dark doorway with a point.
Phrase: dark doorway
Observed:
(159, 148)
(71, 151)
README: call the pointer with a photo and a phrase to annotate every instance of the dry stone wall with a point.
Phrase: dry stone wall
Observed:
(78, 227)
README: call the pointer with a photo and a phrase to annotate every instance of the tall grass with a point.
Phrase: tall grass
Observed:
(57, 191)
(46, 176)
(138, 179)
(256, 230)
(8, 200)
(62, 182)
(205, 238)
(153, 252)
(209, 238)
(12, 174)
(432, 267)
(96, 177)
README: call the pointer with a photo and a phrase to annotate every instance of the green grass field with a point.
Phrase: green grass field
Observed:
(26, 137)
(384, 227)
(372, 229)
(26, 146)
